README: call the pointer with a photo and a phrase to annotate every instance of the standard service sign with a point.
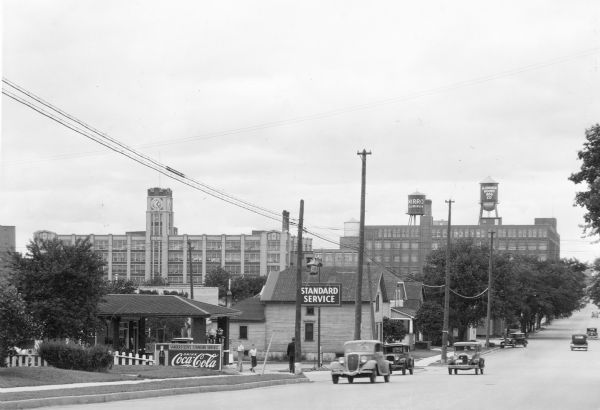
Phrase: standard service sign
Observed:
(321, 294)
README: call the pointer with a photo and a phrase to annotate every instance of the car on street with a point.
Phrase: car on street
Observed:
(466, 356)
(362, 358)
(514, 339)
(592, 332)
(398, 354)
(579, 342)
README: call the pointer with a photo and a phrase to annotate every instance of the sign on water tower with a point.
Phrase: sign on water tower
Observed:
(416, 204)
(488, 190)
(489, 194)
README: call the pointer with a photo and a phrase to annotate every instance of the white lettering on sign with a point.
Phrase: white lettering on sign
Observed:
(416, 201)
(319, 299)
(188, 359)
(329, 294)
(331, 290)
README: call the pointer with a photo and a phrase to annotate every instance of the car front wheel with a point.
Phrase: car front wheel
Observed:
(450, 372)
(372, 377)
(350, 379)
(335, 379)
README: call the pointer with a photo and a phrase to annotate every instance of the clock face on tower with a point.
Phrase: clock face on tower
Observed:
(156, 204)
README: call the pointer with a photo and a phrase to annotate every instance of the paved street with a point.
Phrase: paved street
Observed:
(545, 375)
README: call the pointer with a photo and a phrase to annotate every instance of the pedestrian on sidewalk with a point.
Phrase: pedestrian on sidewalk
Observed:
(252, 354)
(240, 356)
(291, 354)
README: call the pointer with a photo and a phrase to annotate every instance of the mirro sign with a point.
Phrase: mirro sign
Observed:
(321, 294)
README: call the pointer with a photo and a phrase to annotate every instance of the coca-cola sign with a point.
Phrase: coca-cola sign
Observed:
(196, 359)
(205, 356)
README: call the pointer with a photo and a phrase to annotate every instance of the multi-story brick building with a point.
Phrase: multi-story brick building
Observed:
(404, 248)
(160, 251)
(7, 244)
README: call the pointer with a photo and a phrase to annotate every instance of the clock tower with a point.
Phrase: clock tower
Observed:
(159, 225)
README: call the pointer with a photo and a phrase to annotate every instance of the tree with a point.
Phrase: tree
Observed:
(119, 286)
(17, 326)
(589, 174)
(468, 277)
(430, 321)
(243, 287)
(218, 278)
(61, 285)
(393, 330)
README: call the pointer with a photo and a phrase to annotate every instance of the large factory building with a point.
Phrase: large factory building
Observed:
(404, 248)
(159, 251)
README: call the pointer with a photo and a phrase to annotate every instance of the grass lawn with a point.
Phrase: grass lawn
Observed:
(39, 376)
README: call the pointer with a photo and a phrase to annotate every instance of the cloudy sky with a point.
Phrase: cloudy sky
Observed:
(270, 101)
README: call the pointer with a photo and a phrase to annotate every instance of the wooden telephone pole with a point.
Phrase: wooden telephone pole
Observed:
(447, 287)
(361, 247)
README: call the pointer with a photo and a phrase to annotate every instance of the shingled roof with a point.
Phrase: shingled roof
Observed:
(281, 286)
(252, 310)
(159, 306)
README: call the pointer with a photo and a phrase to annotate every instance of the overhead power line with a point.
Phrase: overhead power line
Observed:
(378, 103)
(48, 110)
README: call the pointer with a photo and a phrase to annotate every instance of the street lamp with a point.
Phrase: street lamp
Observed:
(315, 269)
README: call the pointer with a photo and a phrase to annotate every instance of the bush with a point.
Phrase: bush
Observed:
(76, 357)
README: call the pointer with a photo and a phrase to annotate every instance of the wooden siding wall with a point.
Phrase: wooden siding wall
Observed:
(337, 327)
(256, 334)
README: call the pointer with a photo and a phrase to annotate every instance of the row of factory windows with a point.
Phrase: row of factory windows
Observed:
(253, 257)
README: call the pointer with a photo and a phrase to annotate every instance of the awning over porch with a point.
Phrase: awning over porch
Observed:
(160, 306)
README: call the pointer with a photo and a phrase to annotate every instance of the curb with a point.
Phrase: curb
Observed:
(109, 397)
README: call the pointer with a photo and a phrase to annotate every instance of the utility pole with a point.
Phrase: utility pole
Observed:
(297, 334)
(361, 247)
(447, 288)
(189, 243)
(489, 295)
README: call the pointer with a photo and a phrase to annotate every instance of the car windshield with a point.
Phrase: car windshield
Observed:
(366, 347)
(394, 349)
(591, 329)
(467, 348)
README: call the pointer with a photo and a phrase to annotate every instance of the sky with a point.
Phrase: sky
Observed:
(270, 101)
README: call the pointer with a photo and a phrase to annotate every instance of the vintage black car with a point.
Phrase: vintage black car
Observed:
(514, 339)
(362, 358)
(592, 332)
(466, 356)
(398, 354)
(579, 342)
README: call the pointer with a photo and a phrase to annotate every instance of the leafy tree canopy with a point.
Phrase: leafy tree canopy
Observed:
(393, 330)
(61, 285)
(242, 287)
(590, 175)
(119, 286)
(430, 321)
(17, 326)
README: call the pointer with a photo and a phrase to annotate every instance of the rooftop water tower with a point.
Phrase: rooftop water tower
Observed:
(416, 207)
(488, 190)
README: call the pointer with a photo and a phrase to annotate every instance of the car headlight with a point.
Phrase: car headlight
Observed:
(363, 359)
(341, 360)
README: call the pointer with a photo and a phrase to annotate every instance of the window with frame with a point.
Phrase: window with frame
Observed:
(309, 331)
(310, 311)
(243, 332)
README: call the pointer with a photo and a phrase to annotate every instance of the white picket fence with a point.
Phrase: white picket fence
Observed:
(25, 360)
(129, 359)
